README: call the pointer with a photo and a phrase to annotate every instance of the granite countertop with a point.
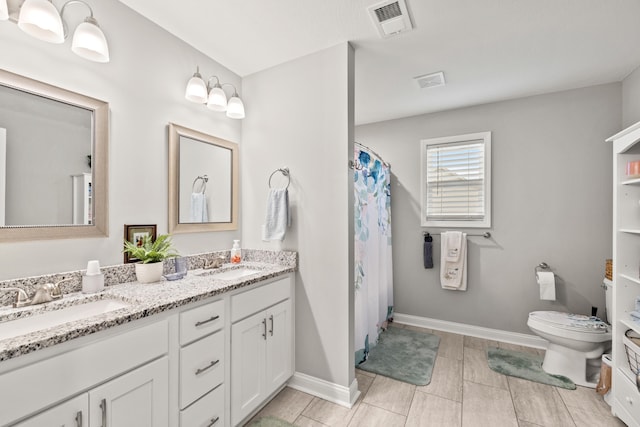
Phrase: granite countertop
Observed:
(143, 300)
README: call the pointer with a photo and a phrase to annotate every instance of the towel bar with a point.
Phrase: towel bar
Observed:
(486, 234)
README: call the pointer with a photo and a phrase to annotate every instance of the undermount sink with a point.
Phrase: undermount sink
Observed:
(48, 319)
(236, 273)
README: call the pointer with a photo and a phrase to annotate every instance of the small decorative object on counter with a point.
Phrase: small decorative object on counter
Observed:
(608, 269)
(93, 279)
(236, 252)
(151, 255)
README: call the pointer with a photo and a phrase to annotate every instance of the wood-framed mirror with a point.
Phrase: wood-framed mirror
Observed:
(54, 162)
(203, 182)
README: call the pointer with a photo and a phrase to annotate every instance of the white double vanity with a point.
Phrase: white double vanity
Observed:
(200, 351)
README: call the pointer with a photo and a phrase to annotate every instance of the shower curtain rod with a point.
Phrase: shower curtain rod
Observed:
(373, 152)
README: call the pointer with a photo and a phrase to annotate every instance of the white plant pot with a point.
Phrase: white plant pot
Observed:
(149, 273)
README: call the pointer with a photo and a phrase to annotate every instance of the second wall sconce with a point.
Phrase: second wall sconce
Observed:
(214, 96)
(41, 19)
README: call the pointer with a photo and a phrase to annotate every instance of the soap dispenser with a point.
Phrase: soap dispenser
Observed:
(236, 252)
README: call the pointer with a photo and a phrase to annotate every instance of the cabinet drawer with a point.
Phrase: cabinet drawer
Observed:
(201, 321)
(628, 396)
(206, 412)
(254, 300)
(201, 367)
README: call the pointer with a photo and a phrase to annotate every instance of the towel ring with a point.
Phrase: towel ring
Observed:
(283, 171)
(204, 179)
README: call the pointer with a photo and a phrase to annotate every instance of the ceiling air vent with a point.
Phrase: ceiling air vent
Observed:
(390, 18)
(428, 81)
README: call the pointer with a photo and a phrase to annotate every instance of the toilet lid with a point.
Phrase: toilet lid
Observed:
(576, 322)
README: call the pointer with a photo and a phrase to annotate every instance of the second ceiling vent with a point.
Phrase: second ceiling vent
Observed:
(390, 18)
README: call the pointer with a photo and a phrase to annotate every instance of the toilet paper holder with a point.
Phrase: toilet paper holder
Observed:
(540, 267)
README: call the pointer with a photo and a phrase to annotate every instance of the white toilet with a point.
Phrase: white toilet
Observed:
(576, 343)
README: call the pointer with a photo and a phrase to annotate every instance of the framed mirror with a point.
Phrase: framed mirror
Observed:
(203, 182)
(53, 162)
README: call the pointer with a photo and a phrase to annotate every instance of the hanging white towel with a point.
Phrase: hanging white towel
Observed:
(199, 208)
(453, 240)
(277, 219)
(453, 274)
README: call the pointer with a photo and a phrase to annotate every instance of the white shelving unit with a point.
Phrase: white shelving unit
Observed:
(625, 403)
(82, 199)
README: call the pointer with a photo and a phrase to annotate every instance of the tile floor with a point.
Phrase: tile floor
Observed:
(463, 392)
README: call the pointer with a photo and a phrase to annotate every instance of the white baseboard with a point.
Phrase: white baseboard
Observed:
(344, 396)
(471, 330)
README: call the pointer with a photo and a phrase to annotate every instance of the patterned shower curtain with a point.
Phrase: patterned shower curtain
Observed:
(373, 269)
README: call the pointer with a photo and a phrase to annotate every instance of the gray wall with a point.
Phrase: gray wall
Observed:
(552, 202)
(631, 98)
(308, 130)
(144, 85)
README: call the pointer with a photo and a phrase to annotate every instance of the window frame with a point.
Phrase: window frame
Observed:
(484, 222)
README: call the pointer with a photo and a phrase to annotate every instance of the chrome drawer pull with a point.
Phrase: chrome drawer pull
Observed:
(213, 421)
(79, 419)
(202, 322)
(264, 323)
(103, 408)
(211, 365)
(271, 318)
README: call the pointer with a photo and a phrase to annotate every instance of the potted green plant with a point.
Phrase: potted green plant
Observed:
(150, 255)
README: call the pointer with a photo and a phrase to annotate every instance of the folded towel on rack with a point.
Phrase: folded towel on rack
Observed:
(199, 208)
(427, 251)
(453, 240)
(453, 274)
(277, 218)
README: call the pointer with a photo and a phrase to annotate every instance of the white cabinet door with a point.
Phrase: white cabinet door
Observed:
(72, 413)
(248, 343)
(139, 398)
(279, 346)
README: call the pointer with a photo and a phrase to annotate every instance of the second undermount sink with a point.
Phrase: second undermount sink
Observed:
(236, 273)
(48, 319)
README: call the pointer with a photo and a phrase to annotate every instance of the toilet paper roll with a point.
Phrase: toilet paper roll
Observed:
(547, 282)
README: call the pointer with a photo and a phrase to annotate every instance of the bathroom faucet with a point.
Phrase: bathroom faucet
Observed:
(44, 293)
(215, 263)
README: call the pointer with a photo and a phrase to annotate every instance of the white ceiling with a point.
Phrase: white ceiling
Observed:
(489, 50)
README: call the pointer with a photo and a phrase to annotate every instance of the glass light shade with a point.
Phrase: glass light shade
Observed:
(235, 108)
(4, 10)
(196, 89)
(40, 19)
(89, 42)
(217, 99)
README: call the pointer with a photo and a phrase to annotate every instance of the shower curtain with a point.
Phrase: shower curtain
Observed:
(373, 269)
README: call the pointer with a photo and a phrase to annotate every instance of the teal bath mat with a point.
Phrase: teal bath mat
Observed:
(404, 355)
(269, 422)
(526, 366)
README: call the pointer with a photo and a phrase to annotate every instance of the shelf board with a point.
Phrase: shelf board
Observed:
(630, 278)
(626, 320)
(635, 181)
(629, 230)
(607, 281)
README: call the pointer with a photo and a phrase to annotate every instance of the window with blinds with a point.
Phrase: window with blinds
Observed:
(456, 181)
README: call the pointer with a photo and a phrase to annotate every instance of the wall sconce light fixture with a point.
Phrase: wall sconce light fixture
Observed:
(41, 19)
(214, 96)
(4, 10)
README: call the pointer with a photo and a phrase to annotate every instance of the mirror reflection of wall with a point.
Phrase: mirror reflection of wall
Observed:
(47, 143)
(203, 172)
(202, 201)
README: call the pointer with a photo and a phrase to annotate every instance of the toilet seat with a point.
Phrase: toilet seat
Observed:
(575, 326)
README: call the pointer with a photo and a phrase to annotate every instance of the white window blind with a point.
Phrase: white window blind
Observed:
(456, 190)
